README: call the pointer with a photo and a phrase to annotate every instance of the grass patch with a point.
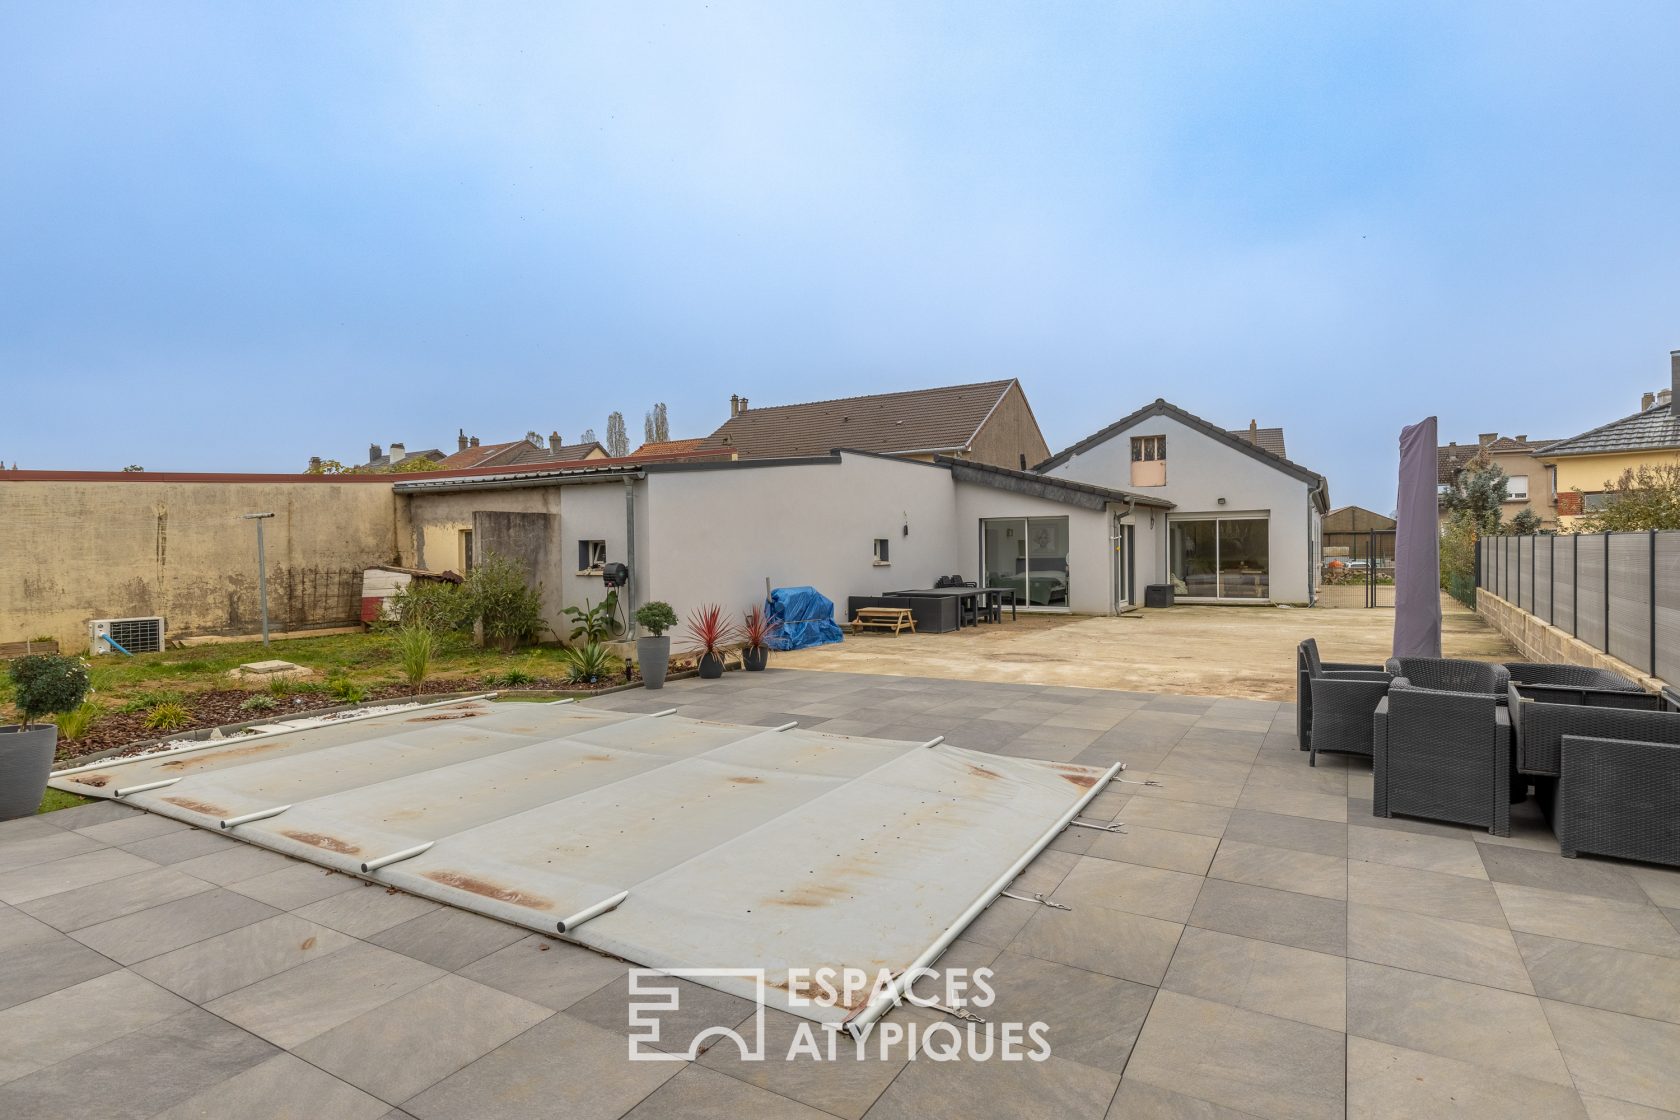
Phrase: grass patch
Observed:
(57, 799)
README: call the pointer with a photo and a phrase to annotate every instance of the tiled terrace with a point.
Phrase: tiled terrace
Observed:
(1254, 944)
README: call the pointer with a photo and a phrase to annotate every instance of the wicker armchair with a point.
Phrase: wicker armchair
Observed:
(1444, 756)
(1619, 797)
(1576, 676)
(1448, 674)
(1541, 715)
(1307, 666)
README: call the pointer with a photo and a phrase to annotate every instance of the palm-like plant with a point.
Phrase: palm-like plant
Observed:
(590, 664)
(708, 631)
(757, 628)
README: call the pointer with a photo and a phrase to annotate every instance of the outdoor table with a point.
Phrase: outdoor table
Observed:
(969, 596)
(994, 602)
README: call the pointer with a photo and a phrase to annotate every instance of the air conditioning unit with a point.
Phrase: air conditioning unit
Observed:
(125, 635)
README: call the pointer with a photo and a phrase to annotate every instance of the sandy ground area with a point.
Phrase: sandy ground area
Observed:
(1208, 651)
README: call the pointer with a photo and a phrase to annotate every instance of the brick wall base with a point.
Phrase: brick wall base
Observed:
(1538, 640)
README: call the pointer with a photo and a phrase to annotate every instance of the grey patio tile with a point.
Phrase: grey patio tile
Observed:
(1129, 946)
(43, 879)
(161, 929)
(294, 1006)
(1438, 946)
(1240, 1059)
(366, 911)
(1151, 891)
(1284, 917)
(42, 967)
(845, 1087)
(1157, 847)
(1139, 1100)
(1636, 926)
(698, 1008)
(1086, 719)
(101, 902)
(225, 963)
(1062, 735)
(99, 812)
(295, 886)
(1554, 873)
(1054, 1089)
(60, 1025)
(233, 864)
(1290, 983)
(1280, 830)
(522, 1079)
(1046, 872)
(1107, 805)
(1177, 816)
(1044, 752)
(698, 1093)
(1393, 1083)
(1282, 869)
(1660, 884)
(1075, 840)
(1089, 1018)
(1448, 855)
(139, 1074)
(1619, 1056)
(28, 828)
(18, 929)
(1000, 922)
(131, 829)
(399, 1048)
(1602, 977)
(1295, 802)
(1185, 787)
(1606, 1108)
(175, 847)
(545, 971)
(282, 1088)
(1425, 892)
(1467, 1022)
(449, 938)
(1360, 812)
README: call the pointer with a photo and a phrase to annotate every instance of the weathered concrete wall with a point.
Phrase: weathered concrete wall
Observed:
(1011, 437)
(1538, 640)
(75, 549)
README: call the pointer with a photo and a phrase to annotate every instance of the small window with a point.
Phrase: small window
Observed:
(466, 551)
(881, 544)
(592, 555)
(1149, 449)
(1593, 503)
(1516, 488)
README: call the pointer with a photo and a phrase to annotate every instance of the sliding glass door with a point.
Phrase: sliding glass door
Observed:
(1028, 555)
(1221, 557)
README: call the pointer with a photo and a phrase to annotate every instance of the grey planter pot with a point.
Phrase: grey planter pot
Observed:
(26, 759)
(653, 655)
(754, 660)
(711, 666)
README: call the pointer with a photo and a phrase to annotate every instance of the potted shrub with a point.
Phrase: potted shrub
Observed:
(708, 633)
(653, 649)
(756, 632)
(46, 684)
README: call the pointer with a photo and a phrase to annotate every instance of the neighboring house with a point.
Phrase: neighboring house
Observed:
(1528, 481)
(1583, 464)
(1354, 533)
(665, 449)
(990, 422)
(1245, 521)
(380, 460)
(470, 453)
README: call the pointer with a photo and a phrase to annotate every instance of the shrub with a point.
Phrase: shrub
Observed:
(510, 678)
(508, 608)
(656, 617)
(168, 716)
(591, 663)
(346, 690)
(75, 723)
(145, 701)
(417, 647)
(282, 687)
(596, 624)
(439, 606)
(708, 633)
(757, 628)
(48, 684)
(261, 702)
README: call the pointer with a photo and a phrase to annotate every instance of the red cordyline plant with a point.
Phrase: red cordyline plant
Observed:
(757, 628)
(708, 632)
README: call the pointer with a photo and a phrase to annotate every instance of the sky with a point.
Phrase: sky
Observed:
(233, 236)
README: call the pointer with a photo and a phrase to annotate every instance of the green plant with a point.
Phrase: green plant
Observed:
(47, 684)
(1647, 498)
(168, 716)
(261, 702)
(150, 699)
(417, 648)
(75, 723)
(595, 624)
(346, 690)
(438, 605)
(282, 687)
(590, 664)
(708, 633)
(508, 608)
(510, 678)
(656, 617)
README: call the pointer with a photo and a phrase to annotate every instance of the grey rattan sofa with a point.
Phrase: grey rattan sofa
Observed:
(1451, 674)
(1307, 666)
(1541, 715)
(1577, 676)
(1442, 755)
(1618, 797)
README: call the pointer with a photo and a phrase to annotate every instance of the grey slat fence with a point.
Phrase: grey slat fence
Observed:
(1618, 592)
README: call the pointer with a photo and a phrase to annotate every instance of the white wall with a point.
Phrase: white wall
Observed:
(716, 536)
(1200, 471)
(1090, 559)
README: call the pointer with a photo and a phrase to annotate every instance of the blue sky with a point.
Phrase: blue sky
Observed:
(236, 235)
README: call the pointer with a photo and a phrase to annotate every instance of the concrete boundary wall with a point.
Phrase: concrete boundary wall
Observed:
(1538, 640)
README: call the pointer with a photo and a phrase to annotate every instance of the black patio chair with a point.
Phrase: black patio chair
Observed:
(1618, 797)
(1578, 676)
(1451, 674)
(1307, 666)
(1443, 756)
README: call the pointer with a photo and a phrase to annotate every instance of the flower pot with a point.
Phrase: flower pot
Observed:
(26, 757)
(711, 666)
(755, 658)
(653, 656)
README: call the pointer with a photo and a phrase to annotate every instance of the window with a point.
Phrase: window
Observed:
(1221, 558)
(1516, 488)
(592, 555)
(1149, 449)
(1028, 555)
(466, 557)
(1595, 502)
(881, 550)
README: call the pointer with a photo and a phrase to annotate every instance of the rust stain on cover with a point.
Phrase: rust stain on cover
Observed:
(316, 840)
(97, 781)
(204, 757)
(462, 881)
(448, 714)
(1083, 781)
(747, 780)
(981, 772)
(204, 807)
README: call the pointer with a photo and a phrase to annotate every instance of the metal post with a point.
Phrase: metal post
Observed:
(1575, 585)
(262, 570)
(1606, 646)
(1651, 605)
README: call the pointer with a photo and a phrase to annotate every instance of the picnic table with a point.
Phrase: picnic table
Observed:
(896, 619)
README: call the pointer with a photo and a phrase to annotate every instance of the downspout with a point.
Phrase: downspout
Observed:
(1313, 561)
(630, 554)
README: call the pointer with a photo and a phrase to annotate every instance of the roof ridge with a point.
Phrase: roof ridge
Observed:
(1605, 427)
(1005, 382)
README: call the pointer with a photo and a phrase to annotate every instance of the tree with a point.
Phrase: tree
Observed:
(1647, 498)
(588, 436)
(416, 465)
(134, 468)
(656, 428)
(1478, 494)
(618, 441)
(326, 466)
(1524, 523)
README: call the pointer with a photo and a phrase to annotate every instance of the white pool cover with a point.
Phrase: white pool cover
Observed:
(670, 842)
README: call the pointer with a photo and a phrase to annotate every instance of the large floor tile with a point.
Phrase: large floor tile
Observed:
(288, 888)
(698, 1093)
(1447, 855)
(1636, 926)
(1186, 787)
(40, 967)
(1424, 892)
(1331, 807)
(1554, 873)
(100, 902)
(162, 929)
(1128, 946)
(72, 1020)
(1157, 847)
(449, 938)
(1599, 976)
(43, 879)
(1139, 1100)
(1089, 1018)
(367, 910)
(208, 969)
(1176, 816)
(1438, 946)
(1240, 1059)
(294, 1006)
(847, 1086)
(542, 970)
(18, 929)
(1282, 869)
(1607, 1108)
(231, 865)
(96, 812)
(131, 829)
(673, 1030)
(1280, 830)
(1279, 980)
(1393, 1083)
(1467, 1022)
(1054, 1089)
(283, 1088)
(1151, 891)
(1619, 1056)
(1287, 918)
(177, 847)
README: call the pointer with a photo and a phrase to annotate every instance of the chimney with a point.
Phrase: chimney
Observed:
(1520, 439)
(554, 441)
(473, 442)
(460, 439)
(743, 406)
(1254, 433)
(1486, 438)
(734, 404)
(373, 452)
(1646, 400)
(1674, 381)
(398, 451)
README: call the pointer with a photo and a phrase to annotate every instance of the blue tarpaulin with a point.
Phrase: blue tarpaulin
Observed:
(804, 617)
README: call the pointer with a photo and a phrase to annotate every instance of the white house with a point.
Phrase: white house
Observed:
(1244, 521)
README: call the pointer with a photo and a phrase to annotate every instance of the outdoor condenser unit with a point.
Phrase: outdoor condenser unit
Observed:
(133, 635)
